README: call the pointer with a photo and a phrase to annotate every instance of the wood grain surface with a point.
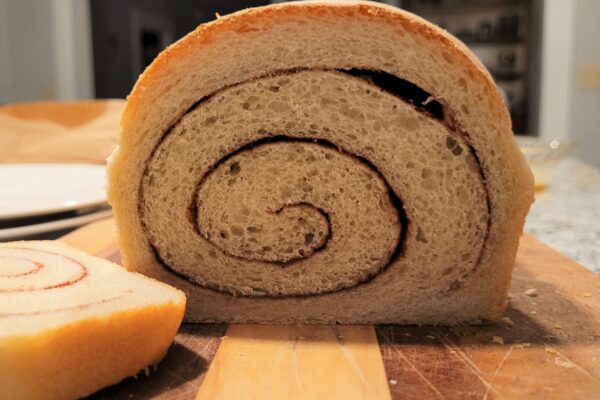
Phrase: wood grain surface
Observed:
(64, 132)
(180, 374)
(297, 362)
(547, 346)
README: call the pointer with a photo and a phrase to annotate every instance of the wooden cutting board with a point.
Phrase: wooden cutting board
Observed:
(547, 346)
(64, 132)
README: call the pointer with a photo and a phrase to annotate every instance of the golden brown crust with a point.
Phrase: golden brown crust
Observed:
(239, 21)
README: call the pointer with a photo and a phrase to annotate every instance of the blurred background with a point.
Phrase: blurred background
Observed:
(544, 55)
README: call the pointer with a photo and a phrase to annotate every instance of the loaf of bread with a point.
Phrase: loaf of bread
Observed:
(320, 162)
(71, 323)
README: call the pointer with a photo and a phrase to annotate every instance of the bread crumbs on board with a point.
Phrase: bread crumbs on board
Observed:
(497, 339)
(563, 363)
(531, 292)
(523, 345)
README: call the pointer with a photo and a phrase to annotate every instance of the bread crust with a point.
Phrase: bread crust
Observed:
(507, 176)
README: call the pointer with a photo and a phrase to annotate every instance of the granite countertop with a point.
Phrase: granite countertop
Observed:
(566, 214)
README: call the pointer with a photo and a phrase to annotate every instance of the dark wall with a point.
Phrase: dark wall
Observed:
(116, 65)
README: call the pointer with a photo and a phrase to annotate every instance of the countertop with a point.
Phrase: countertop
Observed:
(566, 214)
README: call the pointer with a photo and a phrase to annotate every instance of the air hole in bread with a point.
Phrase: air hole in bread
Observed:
(421, 236)
(234, 168)
(308, 238)
(430, 177)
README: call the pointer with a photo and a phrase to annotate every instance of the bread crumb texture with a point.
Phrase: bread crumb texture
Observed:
(319, 162)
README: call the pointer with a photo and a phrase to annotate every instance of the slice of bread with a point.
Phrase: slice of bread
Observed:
(71, 323)
(319, 162)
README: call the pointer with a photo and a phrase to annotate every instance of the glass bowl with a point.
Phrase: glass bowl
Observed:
(543, 155)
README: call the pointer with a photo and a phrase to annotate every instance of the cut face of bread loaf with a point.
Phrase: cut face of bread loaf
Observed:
(316, 162)
(71, 323)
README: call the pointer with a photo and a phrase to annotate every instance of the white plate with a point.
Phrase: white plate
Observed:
(28, 190)
(52, 226)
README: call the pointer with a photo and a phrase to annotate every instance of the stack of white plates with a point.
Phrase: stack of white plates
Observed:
(37, 199)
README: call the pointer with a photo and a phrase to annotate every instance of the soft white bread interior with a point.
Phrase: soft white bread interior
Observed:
(318, 162)
(71, 323)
